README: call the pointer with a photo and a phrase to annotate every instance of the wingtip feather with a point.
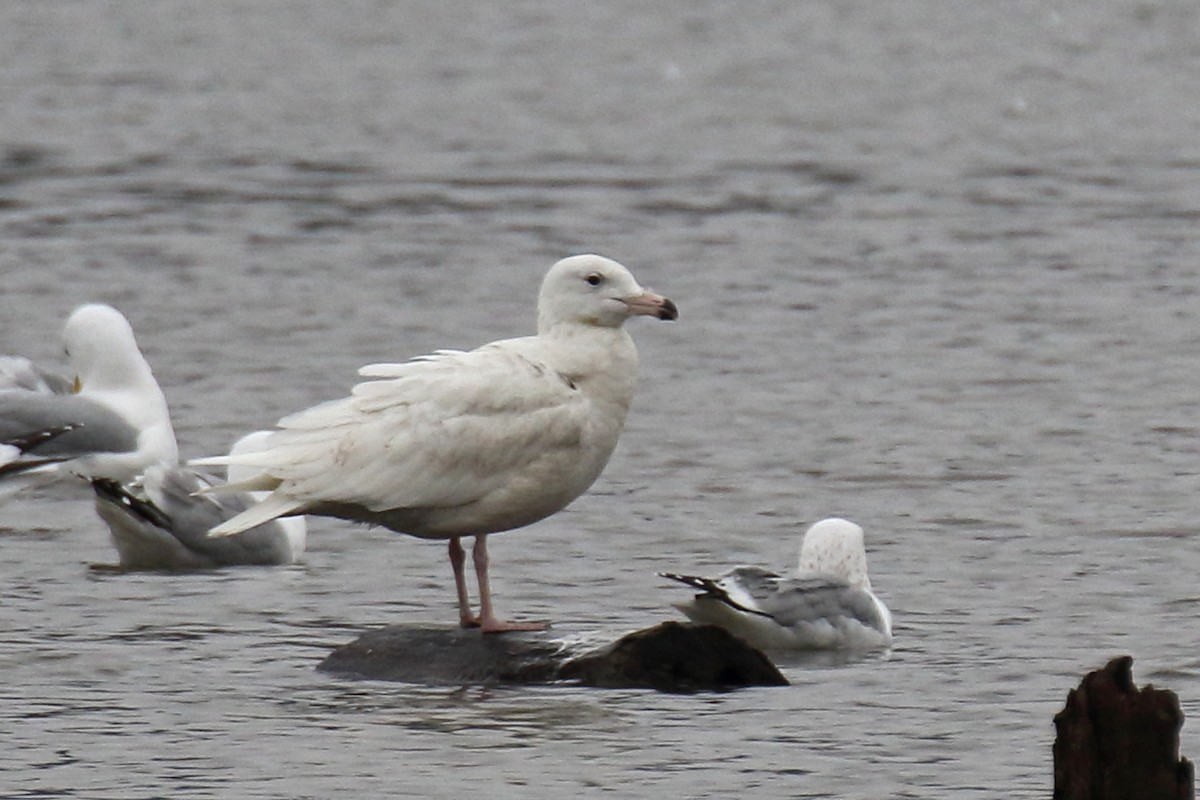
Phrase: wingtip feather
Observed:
(269, 509)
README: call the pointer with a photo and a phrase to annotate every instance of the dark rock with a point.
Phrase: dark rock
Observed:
(675, 657)
(670, 657)
(1115, 742)
(450, 656)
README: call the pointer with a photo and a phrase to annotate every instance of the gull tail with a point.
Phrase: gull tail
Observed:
(275, 505)
(208, 461)
(258, 483)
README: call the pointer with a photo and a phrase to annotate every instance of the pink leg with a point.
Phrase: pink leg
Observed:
(488, 622)
(458, 558)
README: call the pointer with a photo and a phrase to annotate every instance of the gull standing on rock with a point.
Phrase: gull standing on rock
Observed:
(471, 443)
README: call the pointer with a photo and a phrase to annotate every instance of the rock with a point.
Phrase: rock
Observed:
(1114, 741)
(675, 657)
(451, 656)
(669, 657)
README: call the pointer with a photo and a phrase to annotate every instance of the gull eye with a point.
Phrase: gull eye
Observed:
(594, 278)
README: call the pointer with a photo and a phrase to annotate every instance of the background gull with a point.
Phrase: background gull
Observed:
(469, 443)
(114, 425)
(827, 604)
(161, 521)
(18, 372)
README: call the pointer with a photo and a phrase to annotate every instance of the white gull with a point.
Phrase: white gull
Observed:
(114, 425)
(469, 443)
(827, 604)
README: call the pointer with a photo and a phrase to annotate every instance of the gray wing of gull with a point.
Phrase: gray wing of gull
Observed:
(759, 583)
(174, 532)
(18, 372)
(820, 597)
(91, 427)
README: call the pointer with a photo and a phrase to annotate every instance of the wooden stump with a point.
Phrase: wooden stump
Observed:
(1115, 742)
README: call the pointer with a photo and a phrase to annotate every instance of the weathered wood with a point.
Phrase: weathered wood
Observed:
(669, 657)
(1115, 742)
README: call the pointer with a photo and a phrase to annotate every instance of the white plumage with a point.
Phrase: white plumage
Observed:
(469, 443)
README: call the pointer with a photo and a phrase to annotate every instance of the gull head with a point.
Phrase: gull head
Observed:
(835, 547)
(101, 349)
(109, 369)
(593, 290)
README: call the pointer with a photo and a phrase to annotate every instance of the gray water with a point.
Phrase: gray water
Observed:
(938, 271)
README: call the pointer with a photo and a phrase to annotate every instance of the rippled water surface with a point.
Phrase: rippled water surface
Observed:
(938, 272)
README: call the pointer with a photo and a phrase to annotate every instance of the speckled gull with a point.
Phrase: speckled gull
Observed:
(161, 520)
(827, 604)
(114, 426)
(471, 443)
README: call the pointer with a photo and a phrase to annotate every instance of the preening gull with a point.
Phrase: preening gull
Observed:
(114, 425)
(161, 520)
(471, 443)
(18, 372)
(827, 604)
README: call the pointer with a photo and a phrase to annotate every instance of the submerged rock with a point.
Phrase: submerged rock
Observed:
(1116, 741)
(449, 656)
(669, 657)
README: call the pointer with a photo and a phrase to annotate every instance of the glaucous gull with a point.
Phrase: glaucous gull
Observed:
(471, 443)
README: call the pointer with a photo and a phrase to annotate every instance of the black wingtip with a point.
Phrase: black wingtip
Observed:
(695, 581)
(107, 487)
(712, 590)
(35, 439)
(117, 494)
